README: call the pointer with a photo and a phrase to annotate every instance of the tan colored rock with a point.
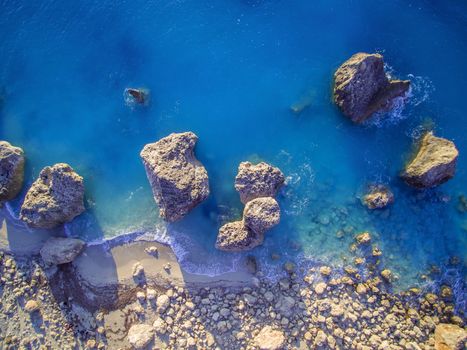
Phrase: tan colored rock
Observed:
(260, 180)
(55, 198)
(235, 237)
(11, 171)
(433, 164)
(450, 337)
(363, 238)
(261, 214)
(178, 180)
(362, 88)
(31, 306)
(140, 335)
(378, 197)
(270, 339)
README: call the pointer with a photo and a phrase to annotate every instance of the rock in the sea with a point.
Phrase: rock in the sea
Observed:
(236, 237)
(54, 198)
(270, 339)
(378, 197)
(260, 180)
(450, 337)
(362, 88)
(136, 96)
(140, 335)
(58, 250)
(179, 181)
(261, 214)
(433, 164)
(11, 171)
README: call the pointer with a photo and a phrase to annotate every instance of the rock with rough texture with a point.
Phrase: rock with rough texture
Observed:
(236, 237)
(261, 214)
(270, 339)
(260, 180)
(450, 337)
(31, 306)
(11, 171)
(362, 88)
(378, 197)
(56, 197)
(433, 164)
(57, 250)
(178, 180)
(140, 335)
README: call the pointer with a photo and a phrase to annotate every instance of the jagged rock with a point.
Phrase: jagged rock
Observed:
(378, 197)
(270, 339)
(136, 96)
(433, 164)
(260, 180)
(261, 214)
(11, 171)
(179, 181)
(58, 250)
(362, 88)
(450, 337)
(54, 198)
(235, 237)
(140, 335)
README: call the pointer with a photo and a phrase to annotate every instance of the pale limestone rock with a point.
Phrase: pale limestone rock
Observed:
(140, 335)
(11, 171)
(58, 250)
(270, 339)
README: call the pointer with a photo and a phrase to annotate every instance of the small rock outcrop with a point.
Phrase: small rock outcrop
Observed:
(259, 215)
(178, 180)
(270, 339)
(11, 171)
(140, 335)
(362, 88)
(58, 250)
(56, 197)
(450, 337)
(378, 197)
(434, 162)
(136, 96)
(260, 180)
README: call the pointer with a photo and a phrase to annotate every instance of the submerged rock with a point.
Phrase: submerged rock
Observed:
(378, 197)
(362, 88)
(433, 164)
(450, 337)
(140, 335)
(270, 339)
(54, 198)
(260, 180)
(11, 171)
(261, 214)
(178, 180)
(136, 96)
(57, 250)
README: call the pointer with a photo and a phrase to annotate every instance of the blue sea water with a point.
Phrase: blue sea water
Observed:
(229, 70)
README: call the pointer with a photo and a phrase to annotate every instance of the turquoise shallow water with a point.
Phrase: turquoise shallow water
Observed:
(229, 71)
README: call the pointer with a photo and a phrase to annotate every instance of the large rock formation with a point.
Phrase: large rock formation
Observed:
(11, 171)
(259, 215)
(434, 162)
(270, 339)
(54, 198)
(378, 197)
(450, 337)
(260, 180)
(179, 181)
(58, 250)
(362, 88)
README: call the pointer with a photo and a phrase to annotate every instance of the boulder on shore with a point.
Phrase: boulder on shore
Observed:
(378, 197)
(140, 335)
(11, 171)
(260, 180)
(270, 339)
(58, 250)
(56, 197)
(259, 215)
(178, 180)
(362, 88)
(450, 337)
(434, 162)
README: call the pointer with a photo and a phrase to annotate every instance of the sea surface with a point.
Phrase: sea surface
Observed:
(229, 70)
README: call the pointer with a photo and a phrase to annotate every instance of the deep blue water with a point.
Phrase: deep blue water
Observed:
(229, 71)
